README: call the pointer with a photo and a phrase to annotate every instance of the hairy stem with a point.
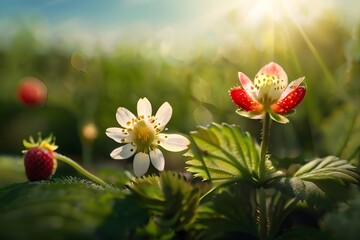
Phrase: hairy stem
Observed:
(264, 146)
(262, 174)
(263, 214)
(80, 169)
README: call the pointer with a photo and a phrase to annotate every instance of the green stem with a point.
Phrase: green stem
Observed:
(263, 214)
(264, 146)
(262, 175)
(80, 169)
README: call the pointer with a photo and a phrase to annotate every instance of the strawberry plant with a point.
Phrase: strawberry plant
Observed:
(233, 187)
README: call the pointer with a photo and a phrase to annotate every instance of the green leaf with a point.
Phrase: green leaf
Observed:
(330, 167)
(170, 198)
(321, 182)
(67, 208)
(230, 213)
(223, 152)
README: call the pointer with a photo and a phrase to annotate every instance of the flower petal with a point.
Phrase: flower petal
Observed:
(141, 163)
(119, 135)
(124, 117)
(271, 81)
(173, 142)
(290, 101)
(144, 109)
(123, 152)
(274, 69)
(157, 159)
(247, 85)
(294, 84)
(241, 98)
(163, 115)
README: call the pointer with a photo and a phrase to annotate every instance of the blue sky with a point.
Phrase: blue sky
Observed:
(108, 20)
(97, 11)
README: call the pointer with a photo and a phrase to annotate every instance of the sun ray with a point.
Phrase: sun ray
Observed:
(328, 76)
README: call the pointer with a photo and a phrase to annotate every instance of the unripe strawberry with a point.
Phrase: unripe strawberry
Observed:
(39, 160)
(39, 163)
(32, 91)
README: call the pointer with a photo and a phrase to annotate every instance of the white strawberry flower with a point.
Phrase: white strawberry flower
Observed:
(142, 136)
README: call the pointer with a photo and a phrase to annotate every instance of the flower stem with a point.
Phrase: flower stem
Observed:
(80, 169)
(262, 174)
(264, 146)
(263, 214)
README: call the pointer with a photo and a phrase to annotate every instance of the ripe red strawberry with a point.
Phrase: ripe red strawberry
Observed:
(240, 97)
(32, 91)
(290, 101)
(39, 160)
(39, 163)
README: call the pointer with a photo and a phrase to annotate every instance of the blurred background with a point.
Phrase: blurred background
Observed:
(95, 56)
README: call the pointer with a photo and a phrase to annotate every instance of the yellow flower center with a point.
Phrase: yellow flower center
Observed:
(143, 135)
(269, 87)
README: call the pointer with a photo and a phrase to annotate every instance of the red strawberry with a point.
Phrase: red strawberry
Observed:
(32, 91)
(240, 97)
(39, 163)
(290, 101)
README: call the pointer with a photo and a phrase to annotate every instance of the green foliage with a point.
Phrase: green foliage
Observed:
(320, 181)
(172, 201)
(223, 152)
(230, 213)
(68, 208)
(330, 167)
(169, 207)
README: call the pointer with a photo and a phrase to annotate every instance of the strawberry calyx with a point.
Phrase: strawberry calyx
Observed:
(48, 143)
